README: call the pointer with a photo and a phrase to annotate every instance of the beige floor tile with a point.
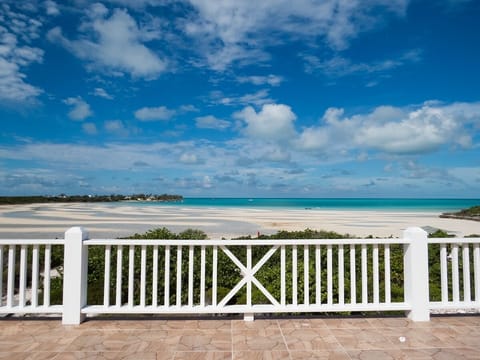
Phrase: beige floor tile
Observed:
(415, 337)
(17, 342)
(100, 341)
(261, 355)
(445, 337)
(208, 324)
(203, 355)
(441, 353)
(472, 320)
(42, 355)
(346, 323)
(375, 354)
(205, 340)
(258, 340)
(362, 339)
(319, 355)
(302, 323)
(110, 355)
(255, 325)
(310, 339)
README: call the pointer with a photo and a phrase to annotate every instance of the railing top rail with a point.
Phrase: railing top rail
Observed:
(32, 241)
(252, 242)
(454, 240)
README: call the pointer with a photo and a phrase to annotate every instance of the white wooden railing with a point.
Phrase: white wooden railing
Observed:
(459, 275)
(242, 276)
(20, 286)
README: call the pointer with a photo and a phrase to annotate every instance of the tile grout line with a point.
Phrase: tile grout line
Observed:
(284, 340)
(231, 336)
(339, 343)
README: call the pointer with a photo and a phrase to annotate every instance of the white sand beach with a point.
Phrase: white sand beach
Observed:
(113, 220)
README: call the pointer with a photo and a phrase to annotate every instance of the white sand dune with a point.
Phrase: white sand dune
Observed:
(110, 220)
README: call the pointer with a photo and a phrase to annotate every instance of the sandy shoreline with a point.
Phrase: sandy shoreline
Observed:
(107, 221)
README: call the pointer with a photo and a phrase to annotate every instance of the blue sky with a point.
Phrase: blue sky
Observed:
(271, 98)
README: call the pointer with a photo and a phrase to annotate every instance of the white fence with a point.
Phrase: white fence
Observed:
(115, 276)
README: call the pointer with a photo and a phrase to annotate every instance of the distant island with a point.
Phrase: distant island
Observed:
(472, 213)
(62, 198)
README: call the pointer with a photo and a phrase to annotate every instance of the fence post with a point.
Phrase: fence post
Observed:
(416, 273)
(75, 267)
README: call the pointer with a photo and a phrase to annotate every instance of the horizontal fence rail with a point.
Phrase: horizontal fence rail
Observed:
(78, 276)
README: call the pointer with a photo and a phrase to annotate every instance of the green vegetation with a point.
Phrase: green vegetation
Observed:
(62, 198)
(472, 213)
(229, 274)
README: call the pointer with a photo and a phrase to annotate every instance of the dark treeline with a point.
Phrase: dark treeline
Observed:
(472, 213)
(62, 198)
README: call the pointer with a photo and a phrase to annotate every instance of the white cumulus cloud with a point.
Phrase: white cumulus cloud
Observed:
(235, 31)
(80, 109)
(272, 80)
(393, 130)
(113, 43)
(100, 92)
(272, 122)
(211, 122)
(51, 7)
(16, 55)
(154, 113)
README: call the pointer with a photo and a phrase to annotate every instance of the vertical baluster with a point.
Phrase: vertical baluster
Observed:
(282, 275)
(353, 276)
(444, 272)
(46, 276)
(118, 290)
(131, 268)
(143, 270)
(318, 276)
(329, 275)
(214, 275)
(476, 270)
(376, 281)
(179, 276)
(294, 275)
(455, 277)
(1, 275)
(106, 281)
(364, 275)
(466, 273)
(166, 299)
(11, 275)
(249, 270)
(306, 282)
(35, 271)
(23, 276)
(190, 275)
(202, 275)
(388, 292)
(341, 279)
(155, 277)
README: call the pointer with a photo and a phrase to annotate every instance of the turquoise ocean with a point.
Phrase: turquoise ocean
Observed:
(434, 205)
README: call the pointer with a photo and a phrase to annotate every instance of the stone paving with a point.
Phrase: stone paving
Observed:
(444, 337)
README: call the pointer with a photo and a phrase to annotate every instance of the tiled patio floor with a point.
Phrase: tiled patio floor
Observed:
(310, 338)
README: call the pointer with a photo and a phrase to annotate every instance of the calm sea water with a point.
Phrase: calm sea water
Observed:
(440, 205)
